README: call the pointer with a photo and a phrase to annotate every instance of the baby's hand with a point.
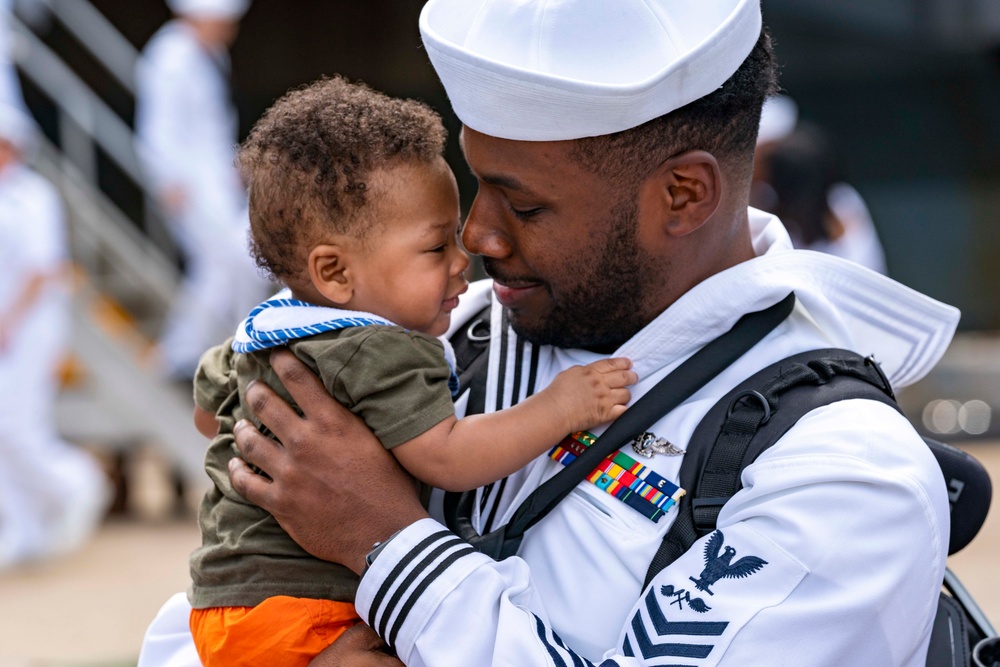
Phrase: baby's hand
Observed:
(586, 396)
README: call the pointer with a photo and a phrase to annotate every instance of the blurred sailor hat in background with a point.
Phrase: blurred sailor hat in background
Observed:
(210, 9)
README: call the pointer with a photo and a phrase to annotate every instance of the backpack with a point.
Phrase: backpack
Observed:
(756, 413)
(733, 433)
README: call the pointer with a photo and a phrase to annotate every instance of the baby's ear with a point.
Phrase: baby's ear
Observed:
(328, 271)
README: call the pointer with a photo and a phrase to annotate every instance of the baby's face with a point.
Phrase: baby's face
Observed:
(414, 272)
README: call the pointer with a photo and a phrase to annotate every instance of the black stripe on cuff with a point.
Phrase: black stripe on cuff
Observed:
(401, 589)
(412, 599)
(400, 566)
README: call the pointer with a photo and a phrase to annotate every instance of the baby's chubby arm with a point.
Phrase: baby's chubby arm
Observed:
(214, 380)
(205, 422)
(463, 454)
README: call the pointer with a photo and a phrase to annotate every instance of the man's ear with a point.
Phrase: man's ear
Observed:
(686, 190)
(329, 271)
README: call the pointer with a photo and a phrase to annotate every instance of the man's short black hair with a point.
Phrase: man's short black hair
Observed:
(309, 160)
(723, 123)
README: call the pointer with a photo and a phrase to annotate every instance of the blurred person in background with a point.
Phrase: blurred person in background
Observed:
(796, 178)
(10, 86)
(187, 127)
(52, 494)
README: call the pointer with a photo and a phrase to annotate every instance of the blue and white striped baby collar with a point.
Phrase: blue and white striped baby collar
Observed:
(282, 319)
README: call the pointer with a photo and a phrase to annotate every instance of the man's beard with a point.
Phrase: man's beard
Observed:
(606, 306)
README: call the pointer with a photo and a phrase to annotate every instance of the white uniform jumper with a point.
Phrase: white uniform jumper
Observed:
(839, 535)
(52, 495)
(187, 130)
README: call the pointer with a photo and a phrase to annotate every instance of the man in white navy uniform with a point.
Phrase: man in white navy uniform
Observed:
(613, 145)
(186, 128)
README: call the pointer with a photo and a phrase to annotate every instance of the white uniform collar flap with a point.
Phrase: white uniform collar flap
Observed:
(858, 309)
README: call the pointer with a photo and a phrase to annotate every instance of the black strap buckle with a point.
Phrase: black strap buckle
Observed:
(475, 337)
(706, 513)
(751, 393)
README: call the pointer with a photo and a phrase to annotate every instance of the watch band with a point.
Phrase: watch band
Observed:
(376, 550)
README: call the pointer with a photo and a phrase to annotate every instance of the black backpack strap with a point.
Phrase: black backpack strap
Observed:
(950, 634)
(670, 392)
(471, 344)
(748, 420)
(754, 415)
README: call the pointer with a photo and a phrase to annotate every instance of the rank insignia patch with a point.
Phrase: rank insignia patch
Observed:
(690, 614)
(721, 566)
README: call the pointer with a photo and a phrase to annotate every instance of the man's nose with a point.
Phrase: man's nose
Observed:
(483, 232)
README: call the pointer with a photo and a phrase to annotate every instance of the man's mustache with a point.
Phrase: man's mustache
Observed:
(500, 276)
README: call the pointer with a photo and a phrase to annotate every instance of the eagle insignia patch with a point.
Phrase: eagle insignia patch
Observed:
(679, 622)
(720, 566)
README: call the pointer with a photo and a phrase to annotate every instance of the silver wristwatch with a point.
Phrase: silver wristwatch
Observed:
(376, 550)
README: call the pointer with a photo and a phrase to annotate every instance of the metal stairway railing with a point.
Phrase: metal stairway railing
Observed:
(85, 121)
(121, 398)
(99, 36)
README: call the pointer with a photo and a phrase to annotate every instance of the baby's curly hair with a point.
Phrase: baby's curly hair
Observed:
(308, 161)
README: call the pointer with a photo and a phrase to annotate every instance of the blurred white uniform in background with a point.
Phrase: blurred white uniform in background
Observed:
(855, 238)
(859, 242)
(10, 86)
(187, 127)
(52, 494)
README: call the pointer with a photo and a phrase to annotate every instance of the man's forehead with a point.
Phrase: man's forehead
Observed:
(533, 168)
(513, 151)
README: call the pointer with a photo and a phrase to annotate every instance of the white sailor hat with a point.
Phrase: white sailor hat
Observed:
(778, 118)
(221, 9)
(546, 70)
(17, 128)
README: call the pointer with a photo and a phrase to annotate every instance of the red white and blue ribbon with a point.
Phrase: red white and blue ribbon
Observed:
(635, 484)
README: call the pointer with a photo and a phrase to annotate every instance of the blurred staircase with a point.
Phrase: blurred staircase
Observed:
(125, 270)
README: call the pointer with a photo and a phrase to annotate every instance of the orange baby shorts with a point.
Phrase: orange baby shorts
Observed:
(281, 630)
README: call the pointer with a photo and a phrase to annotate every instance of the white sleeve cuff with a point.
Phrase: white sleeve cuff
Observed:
(409, 579)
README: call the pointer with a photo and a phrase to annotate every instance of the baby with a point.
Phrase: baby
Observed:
(354, 209)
